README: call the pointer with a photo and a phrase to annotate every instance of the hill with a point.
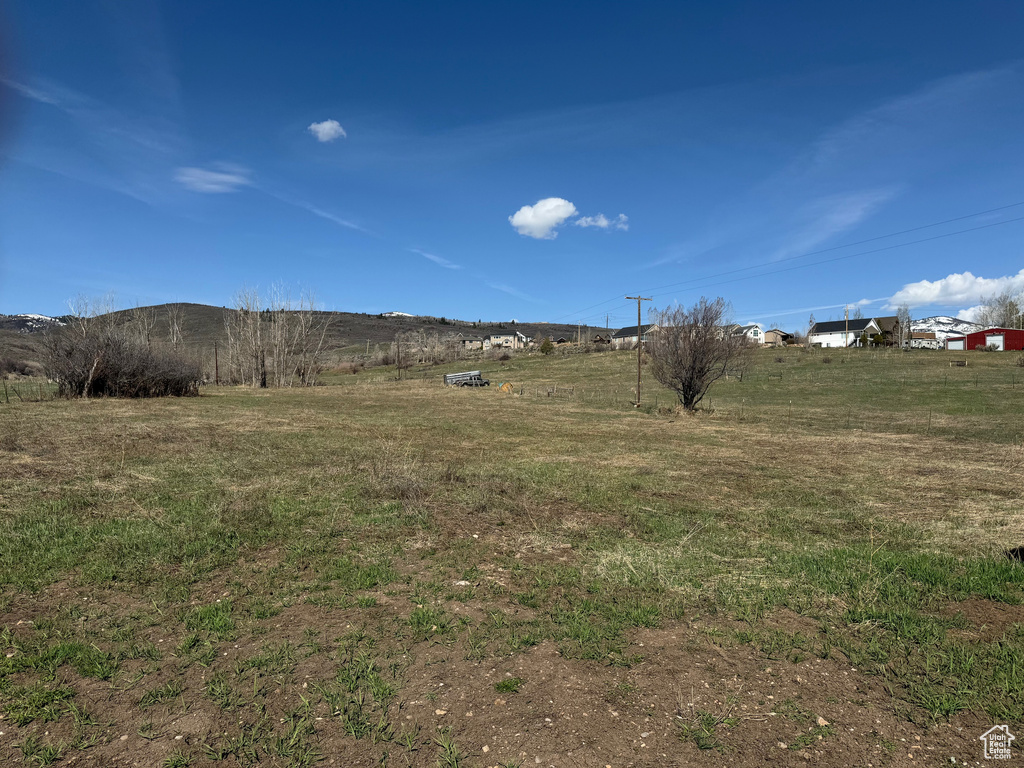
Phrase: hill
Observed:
(203, 326)
(943, 326)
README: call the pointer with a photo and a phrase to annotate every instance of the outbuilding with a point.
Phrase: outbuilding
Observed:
(1002, 339)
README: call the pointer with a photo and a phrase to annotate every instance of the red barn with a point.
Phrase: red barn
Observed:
(1002, 338)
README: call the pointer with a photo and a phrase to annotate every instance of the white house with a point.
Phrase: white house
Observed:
(842, 333)
(754, 332)
(514, 340)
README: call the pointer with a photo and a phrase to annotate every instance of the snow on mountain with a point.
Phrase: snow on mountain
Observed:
(397, 314)
(27, 323)
(943, 326)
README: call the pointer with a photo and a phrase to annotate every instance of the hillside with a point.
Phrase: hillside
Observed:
(203, 326)
(943, 326)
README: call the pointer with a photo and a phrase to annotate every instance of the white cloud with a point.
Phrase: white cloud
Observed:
(227, 178)
(958, 288)
(328, 130)
(603, 222)
(971, 314)
(540, 220)
(441, 262)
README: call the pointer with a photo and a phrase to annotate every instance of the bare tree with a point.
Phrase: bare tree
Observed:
(246, 358)
(903, 324)
(144, 321)
(175, 318)
(279, 345)
(1002, 310)
(692, 350)
(86, 313)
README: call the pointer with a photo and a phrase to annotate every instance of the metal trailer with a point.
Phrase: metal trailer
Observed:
(466, 379)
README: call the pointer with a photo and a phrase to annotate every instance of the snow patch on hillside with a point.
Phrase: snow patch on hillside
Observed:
(943, 326)
(28, 322)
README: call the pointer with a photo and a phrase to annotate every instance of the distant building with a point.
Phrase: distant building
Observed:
(754, 332)
(1002, 339)
(776, 338)
(842, 333)
(514, 340)
(626, 338)
(470, 342)
(924, 340)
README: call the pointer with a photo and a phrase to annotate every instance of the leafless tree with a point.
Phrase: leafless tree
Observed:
(86, 313)
(175, 318)
(904, 321)
(143, 319)
(1002, 310)
(279, 345)
(692, 350)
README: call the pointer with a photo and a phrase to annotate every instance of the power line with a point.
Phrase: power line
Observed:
(836, 258)
(578, 312)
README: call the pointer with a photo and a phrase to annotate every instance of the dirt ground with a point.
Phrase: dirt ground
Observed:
(566, 713)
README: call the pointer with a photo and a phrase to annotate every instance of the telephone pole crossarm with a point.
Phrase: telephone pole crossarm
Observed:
(639, 341)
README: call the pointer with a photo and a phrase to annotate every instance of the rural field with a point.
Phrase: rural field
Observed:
(811, 570)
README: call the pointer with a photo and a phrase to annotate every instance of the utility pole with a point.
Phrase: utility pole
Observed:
(216, 365)
(846, 333)
(639, 342)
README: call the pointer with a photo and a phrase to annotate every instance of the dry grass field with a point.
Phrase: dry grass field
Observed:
(810, 571)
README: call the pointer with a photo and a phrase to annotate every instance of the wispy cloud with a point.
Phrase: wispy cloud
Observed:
(34, 93)
(890, 129)
(832, 216)
(513, 292)
(315, 210)
(328, 130)
(128, 151)
(603, 222)
(757, 315)
(225, 178)
(441, 262)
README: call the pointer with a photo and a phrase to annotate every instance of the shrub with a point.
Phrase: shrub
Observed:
(111, 361)
(546, 348)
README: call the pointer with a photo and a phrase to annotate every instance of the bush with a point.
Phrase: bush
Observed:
(20, 367)
(546, 348)
(114, 362)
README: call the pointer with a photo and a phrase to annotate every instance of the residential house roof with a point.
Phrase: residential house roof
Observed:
(854, 325)
(887, 324)
(629, 332)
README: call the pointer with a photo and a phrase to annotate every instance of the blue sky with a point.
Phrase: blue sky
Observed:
(537, 161)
